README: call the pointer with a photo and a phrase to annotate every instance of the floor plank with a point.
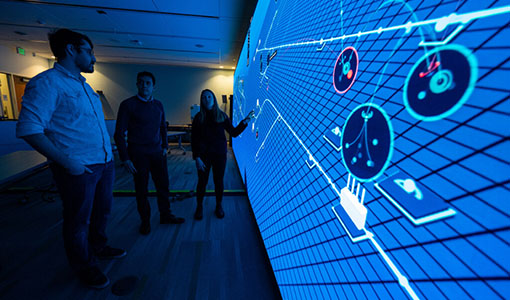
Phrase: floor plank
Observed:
(208, 259)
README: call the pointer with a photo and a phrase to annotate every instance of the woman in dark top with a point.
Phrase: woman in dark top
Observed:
(209, 146)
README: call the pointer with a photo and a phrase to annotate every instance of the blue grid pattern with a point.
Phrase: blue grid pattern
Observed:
(291, 171)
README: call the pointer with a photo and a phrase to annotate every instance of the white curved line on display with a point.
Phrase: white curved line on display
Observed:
(446, 20)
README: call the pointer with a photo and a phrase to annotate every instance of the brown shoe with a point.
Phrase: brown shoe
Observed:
(145, 228)
(219, 212)
(170, 219)
(94, 278)
(199, 213)
(109, 253)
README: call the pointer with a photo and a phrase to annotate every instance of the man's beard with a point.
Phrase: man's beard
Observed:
(88, 69)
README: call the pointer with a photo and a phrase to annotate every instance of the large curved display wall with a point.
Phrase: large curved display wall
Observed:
(378, 161)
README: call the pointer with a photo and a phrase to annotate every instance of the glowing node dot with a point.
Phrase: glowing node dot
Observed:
(359, 146)
(349, 74)
(370, 163)
(421, 95)
(403, 281)
(408, 26)
(360, 155)
(346, 68)
(444, 22)
(375, 142)
(347, 145)
(354, 160)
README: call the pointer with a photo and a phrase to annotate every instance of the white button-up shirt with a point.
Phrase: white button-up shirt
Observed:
(67, 110)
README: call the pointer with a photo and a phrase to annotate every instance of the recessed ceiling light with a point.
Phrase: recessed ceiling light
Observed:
(233, 68)
(221, 67)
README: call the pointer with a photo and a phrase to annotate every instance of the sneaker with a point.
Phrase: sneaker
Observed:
(219, 212)
(199, 213)
(94, 278)
(170, 219)
(108, 253)
(145, 228)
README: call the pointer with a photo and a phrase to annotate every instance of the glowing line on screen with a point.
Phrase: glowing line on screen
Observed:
(403, 281)
(447, 20)
(332, 144)
(440, 24)
(445, 41)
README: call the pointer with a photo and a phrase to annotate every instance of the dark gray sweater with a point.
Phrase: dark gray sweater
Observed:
(145, 125)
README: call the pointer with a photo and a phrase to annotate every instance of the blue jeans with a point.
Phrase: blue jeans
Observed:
(87, 201)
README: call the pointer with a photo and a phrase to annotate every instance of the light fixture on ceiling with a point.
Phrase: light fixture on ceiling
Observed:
(233, 68)
(221, 67)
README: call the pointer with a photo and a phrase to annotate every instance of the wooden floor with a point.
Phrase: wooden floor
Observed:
(208, 259)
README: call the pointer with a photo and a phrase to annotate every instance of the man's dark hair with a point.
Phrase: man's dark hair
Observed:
(61, 38)
(145, 73)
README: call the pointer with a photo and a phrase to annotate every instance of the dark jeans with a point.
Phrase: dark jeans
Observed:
(218, 163)
(87, 201)
(155, 163)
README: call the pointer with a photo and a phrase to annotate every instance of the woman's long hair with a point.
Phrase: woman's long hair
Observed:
(219, 115)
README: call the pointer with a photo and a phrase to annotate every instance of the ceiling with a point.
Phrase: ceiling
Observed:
(199, 33)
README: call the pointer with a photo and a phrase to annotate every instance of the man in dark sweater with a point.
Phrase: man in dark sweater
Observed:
(143, 118)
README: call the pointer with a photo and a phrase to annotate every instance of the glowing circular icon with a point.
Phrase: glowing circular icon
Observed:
(346, 68)
(367, 142)
(440, 82)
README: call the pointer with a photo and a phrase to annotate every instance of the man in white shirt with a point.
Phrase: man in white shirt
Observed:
(62, 118)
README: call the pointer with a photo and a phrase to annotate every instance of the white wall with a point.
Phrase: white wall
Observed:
(177, 87)
(26, 66)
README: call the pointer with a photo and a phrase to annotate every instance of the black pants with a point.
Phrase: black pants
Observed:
(218, 163)
(155, 163)
(87, 201)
